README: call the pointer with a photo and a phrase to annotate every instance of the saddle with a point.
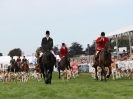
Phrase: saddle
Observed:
(96, 57)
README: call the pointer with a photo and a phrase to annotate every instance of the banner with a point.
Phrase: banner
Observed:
(125, 64)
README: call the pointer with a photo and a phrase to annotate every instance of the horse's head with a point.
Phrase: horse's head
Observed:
(48, 58)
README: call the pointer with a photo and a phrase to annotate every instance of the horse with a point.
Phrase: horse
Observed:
(104, 60)
(13, 68)
(63, 64)
(24, 67)
(47, 62)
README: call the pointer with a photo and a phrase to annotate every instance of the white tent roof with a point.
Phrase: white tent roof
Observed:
(5, 60)
(121, 30)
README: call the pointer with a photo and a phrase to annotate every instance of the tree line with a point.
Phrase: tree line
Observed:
(76, 49)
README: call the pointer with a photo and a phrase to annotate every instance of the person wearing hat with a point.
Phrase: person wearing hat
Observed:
(12, 61)
(100, 44)
(63, 50)
(47, 42)
(24, 60)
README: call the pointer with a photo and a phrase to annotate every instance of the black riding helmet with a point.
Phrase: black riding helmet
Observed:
(63, 44)
(102, 33)
(47, 33)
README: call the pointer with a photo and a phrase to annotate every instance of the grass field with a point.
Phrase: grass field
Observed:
(83, 87)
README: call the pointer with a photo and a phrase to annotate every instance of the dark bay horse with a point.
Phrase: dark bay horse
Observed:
(104, 60)
(13, 68)
(47, 62)
(63, 64)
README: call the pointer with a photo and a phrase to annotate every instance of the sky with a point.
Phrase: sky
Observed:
(23, 22)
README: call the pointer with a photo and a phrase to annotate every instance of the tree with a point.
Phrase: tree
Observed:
(92, 49)
(15, 52)
(87, 50)
(75, 49)
(121, 43)
(1, 54)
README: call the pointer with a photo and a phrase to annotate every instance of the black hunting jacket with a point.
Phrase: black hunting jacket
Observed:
(47, 45)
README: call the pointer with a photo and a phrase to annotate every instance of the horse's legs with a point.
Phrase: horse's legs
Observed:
(58, 67)
(109, 72)
(59, 72)
(49, 76)
(96, 73)
(103, 74)
(43, 72)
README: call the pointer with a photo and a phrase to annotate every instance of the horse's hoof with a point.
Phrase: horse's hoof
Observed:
(47, 83)
(108, 76)
(101, 79)
(96, 78)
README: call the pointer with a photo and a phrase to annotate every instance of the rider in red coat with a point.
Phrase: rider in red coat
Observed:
(101, 42)
(100, 45)
(63, 50)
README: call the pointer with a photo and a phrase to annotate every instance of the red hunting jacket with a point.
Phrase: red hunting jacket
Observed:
(101, 42)
(63, 51)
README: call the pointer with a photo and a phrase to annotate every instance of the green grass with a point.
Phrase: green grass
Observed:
(83, 87)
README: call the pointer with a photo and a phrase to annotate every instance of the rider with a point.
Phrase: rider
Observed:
(47, 44)
(12, 61)
(100, 44)
(24, 60)
(63, 50)
(18, 60)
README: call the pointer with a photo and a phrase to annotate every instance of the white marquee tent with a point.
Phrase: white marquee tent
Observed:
(122, 32)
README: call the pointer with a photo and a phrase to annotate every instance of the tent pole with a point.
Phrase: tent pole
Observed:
(117, 50)
(130, 43)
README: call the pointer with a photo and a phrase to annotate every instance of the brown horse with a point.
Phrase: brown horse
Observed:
(63, 65)
(24, 67)
(104, 60)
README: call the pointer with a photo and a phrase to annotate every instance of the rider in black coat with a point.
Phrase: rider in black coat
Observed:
(12, 61)
(47, 43)
(47, 60)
